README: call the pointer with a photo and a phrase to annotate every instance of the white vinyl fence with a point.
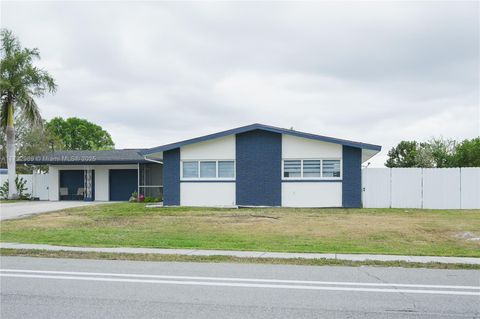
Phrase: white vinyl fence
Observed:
(435, 188)
(37, 184)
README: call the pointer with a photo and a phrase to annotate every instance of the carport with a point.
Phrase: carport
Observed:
(108, 175)
(77, 185)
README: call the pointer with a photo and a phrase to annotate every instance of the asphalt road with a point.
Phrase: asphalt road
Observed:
(69, 288)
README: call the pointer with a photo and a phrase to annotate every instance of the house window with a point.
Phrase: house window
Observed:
(331, 168)
(311, 169)
(209, 169)
(292, 168)
(226, 169)
(190, 169)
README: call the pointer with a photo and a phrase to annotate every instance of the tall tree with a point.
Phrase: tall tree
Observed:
(467, 153)
(437, 152)
(403, 155)
(80, 134)
(424, 156)
(442, 151)
(30, 141)
(20, 83)
(21, 130)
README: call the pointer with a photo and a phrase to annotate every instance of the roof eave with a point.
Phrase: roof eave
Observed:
(251, 127)
(142, 161)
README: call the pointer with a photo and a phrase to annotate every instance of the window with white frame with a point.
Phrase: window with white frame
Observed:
(331, 168)
(226, 169)
(292, 168)
(208, 169)
(311, 169)
(190, 169)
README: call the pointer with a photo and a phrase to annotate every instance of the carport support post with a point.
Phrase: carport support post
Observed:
(88, 184)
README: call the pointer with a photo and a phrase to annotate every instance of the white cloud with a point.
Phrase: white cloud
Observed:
(157, 72)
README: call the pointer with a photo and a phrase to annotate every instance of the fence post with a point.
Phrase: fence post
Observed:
(421, 187)
(460, 169)
(390, 193)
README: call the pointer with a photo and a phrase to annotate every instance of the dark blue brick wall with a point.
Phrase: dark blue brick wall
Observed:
(171, 177)
(258, 168)
(352, 177)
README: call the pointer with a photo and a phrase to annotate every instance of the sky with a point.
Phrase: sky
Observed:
(152, 73)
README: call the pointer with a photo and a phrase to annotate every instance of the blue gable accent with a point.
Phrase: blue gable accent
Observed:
(352, 177)
(171, 177)
(267, 128)
(258, 168)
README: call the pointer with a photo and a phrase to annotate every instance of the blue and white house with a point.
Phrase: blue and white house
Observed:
(254, 165)
(260, 165)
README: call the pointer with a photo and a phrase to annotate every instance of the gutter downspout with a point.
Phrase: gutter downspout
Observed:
(152, 160)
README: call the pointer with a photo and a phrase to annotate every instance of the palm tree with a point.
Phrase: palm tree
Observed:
(20, 82)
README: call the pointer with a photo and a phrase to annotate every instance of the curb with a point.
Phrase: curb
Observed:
(250, 254)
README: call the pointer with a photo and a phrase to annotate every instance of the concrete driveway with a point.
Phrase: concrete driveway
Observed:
(24, 208)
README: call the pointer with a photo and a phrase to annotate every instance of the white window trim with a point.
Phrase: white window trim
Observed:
(181, 170)
(216, 178)
(301, 177)
(341, 169)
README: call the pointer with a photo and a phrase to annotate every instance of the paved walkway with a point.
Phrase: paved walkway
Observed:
(24, 208)
(251, 254)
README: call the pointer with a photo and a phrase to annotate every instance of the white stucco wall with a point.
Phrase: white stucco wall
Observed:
(304, 148)
(312, 194)
(207, 194)
(217, 149)
(102, 186)
(101, 179)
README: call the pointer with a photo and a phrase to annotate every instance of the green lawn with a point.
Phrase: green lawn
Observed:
(380, 231)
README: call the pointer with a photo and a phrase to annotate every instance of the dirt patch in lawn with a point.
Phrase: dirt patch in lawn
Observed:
(468, 236)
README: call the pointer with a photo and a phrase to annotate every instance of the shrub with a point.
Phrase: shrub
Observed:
(21, 188)
(150, 199)
(133, 197)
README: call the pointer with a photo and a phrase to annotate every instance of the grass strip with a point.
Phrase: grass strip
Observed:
(225, 259)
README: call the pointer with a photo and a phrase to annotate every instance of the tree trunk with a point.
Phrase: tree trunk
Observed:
(11, 163)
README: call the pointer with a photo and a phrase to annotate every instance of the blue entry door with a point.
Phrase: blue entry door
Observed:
(123, 182)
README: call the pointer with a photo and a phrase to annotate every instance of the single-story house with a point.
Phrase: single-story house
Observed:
(254, 165)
